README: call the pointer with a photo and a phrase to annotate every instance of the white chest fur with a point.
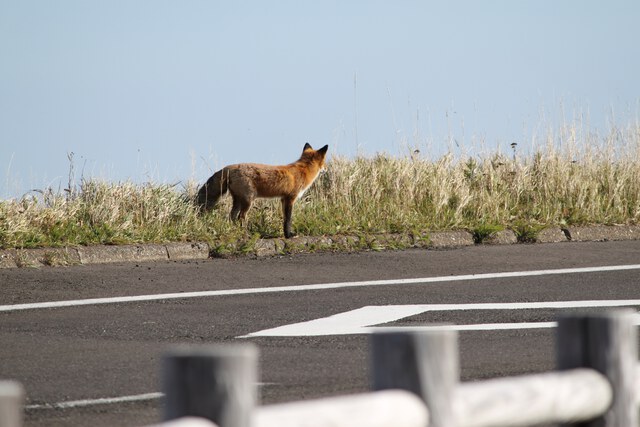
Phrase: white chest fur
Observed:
(301, 193)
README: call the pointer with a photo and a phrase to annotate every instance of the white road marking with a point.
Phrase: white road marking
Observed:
(361, 320)
(101, 401)
(467, 328)
(105, 400)
(314, 287)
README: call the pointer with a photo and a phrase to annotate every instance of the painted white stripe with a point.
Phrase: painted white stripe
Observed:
(359, 321)
(314, 287)
(106, 400)
(101, 401)
(466, 328)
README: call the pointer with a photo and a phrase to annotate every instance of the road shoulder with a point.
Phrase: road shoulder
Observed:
(103, 254)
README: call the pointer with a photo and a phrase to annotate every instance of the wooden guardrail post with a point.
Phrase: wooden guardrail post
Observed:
(217, 382)
(11, 402)
(607, 343)
(425, 363)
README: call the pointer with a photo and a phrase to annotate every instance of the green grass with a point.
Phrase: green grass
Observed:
(571, 179)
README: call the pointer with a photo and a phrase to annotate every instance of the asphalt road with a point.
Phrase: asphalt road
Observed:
(112, 349)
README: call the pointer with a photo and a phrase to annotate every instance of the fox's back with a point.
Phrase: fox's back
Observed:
(288, 181)
(263, 180)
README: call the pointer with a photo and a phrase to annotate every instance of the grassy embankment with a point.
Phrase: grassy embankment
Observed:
(571, 179)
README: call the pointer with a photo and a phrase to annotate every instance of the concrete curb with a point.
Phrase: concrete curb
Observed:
(450, 239)
(502, 237)
(84, 255)
(603, 233)
(12, 258)
(551, 235)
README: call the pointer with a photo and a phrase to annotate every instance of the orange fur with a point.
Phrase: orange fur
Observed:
(247, 181)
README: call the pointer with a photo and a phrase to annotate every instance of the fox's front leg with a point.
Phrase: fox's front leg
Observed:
(287, 210)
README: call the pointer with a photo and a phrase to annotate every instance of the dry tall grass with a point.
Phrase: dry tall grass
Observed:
(553, 186)
(570, 178)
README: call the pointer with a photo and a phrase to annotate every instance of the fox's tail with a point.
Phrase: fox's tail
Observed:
(212, 190)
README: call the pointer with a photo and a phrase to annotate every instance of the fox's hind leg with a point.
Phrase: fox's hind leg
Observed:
(235, 210)
(241, 205)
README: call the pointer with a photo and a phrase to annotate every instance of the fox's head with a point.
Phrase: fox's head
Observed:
(315, 156)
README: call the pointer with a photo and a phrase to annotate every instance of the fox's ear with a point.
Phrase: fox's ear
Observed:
(323, 150)
(307, 146)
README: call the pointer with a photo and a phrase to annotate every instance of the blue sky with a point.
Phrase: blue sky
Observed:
(168, 91)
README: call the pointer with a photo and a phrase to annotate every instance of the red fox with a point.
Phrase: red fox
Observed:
(246, 181)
